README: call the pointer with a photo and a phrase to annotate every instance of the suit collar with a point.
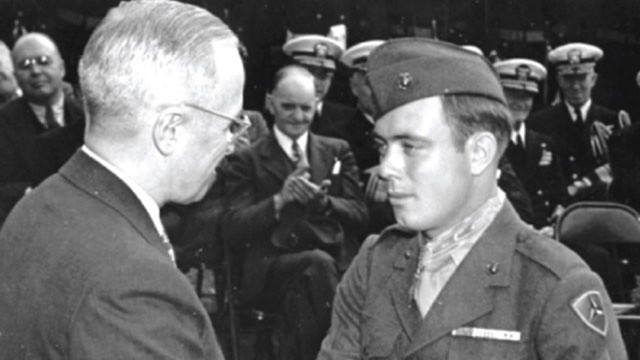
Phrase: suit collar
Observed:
(486, 267)
(93, 178)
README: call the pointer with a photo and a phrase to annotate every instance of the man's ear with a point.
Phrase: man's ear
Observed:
(594, 78)
(482, 148)
(166, 131)
(268, 103)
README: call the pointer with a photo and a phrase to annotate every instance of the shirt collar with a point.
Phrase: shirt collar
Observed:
(459, 239)
(147, 201)
(584, 109)
(58, 111)
(286, 142)
(520, 132)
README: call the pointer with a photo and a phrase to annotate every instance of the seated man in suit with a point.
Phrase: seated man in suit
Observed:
(39, 70)
(295, 211)
(87, 269)
(532, 155)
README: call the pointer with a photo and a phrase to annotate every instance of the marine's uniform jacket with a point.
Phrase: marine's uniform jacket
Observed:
(540, 171)
(255, 174)
(577, 157)
(513, 280)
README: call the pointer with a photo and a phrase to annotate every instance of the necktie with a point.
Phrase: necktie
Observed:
(50, 118)
(296, 154)
(578, 124)
(519, 142)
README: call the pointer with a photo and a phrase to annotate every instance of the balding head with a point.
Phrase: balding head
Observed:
(39, 68)
(293, 100)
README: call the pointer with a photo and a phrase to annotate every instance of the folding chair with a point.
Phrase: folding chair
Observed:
(607, 236)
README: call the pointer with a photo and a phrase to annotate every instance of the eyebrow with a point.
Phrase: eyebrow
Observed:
(401, 136)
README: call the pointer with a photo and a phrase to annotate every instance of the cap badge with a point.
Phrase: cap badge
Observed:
(574, 56)
(523, 72)
(404, 80)
(321, 50)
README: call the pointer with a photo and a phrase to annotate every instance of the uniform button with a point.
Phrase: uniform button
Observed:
(407, 254)
(493, 268)
(546, 203)
(574, 176)
(543, 145)
(571, 158)
(539, 192)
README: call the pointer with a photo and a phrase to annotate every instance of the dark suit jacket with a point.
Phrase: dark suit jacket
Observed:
(85, 276)
(333, 119)
(257, 173)
(574, 148)
(539, 169)
(530, 290)
(26, 158)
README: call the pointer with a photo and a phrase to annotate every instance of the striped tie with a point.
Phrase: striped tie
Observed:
(296, 154)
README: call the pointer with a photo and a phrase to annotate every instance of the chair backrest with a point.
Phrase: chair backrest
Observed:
(607, 236)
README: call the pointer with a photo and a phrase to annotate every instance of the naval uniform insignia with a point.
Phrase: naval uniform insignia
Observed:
(590, 310)
(490, 334)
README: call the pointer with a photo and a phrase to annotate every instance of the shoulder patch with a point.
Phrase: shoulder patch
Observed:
(590, 310)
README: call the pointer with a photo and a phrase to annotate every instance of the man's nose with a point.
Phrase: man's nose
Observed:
(390, 164)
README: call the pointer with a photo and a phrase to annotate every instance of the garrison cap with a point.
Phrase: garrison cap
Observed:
(520, 74)
(356, 56)
(404, 70)
(314, 50)
(575, 58)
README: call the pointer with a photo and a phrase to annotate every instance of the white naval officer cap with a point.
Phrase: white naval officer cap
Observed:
(356, 56)
(314, 50)
(520, 74)
(575, 58)
(473, 49)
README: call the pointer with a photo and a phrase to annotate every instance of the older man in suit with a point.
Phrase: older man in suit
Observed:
(462, 277)
(87, 270)
(44, 107)
(296, 211)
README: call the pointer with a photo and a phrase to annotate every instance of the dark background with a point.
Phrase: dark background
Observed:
(508, 28)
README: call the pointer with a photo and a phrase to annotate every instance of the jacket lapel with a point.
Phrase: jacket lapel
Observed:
(320, 159)
(401, 280)
(468, 294)
(273, 159)
(100, 183)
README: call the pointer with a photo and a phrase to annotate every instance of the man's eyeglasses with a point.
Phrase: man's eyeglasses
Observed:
(238, 125)
(42, 60)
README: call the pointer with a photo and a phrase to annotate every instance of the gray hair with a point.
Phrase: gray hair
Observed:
(146, 54)
(6, 64)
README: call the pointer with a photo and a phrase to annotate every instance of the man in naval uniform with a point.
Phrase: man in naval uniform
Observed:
(532, 154)
(319, 55)
(580, 127)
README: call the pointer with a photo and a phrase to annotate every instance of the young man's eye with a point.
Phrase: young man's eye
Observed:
(411, 148)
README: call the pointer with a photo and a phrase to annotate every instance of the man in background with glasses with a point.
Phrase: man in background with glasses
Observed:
(44, 107)
(88, 271)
